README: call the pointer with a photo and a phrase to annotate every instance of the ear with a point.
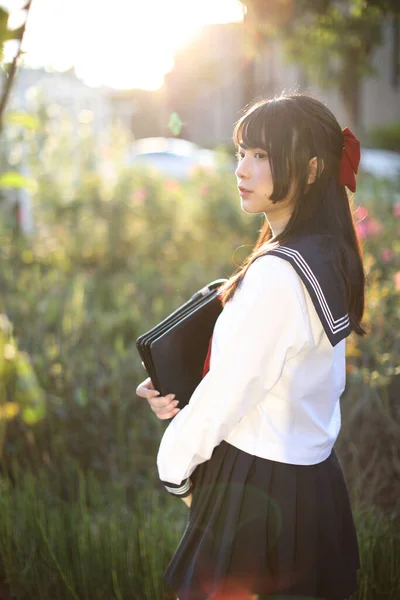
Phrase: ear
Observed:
(312, 169)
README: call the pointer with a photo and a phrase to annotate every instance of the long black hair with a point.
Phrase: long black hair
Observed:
(292, 129)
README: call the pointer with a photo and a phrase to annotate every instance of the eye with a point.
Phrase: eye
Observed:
(261, 155)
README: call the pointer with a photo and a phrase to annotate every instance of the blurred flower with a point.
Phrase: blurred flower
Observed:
(362, 212)
(397, 281)
(139, 195)
(387, 254)
(362, 229)
(172, 186)
(396, 209)
(10, 351)
(374, 226)
(361, 216)
(9, 410)
(203, 190)
(368, 227)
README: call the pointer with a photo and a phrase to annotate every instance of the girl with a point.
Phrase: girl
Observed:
(270, 515)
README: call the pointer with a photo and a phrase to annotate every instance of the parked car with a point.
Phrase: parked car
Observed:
(175, 157)
(380, 163)
(178, 158)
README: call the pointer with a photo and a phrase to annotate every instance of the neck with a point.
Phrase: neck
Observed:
(277, 224)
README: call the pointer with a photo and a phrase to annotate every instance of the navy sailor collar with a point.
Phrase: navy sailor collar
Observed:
(312, 258)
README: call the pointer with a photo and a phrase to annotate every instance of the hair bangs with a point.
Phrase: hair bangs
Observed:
(251, 131)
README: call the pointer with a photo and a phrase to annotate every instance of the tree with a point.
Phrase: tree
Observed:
(10, 70)
(333, 40)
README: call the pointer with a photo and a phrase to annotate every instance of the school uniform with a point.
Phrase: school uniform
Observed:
(270, 512)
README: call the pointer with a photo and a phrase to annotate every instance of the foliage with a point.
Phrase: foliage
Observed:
(333, 41)
(370, 408)
(102, 544)
(114, 251)
(20, 392)
(385, 136)
(5, 33)
(80, 300)
(10, 68)
(335, 45)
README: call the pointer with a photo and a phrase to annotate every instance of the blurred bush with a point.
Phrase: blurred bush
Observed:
(114, 251)
(370, 406)
(20, 392)
(386, 137)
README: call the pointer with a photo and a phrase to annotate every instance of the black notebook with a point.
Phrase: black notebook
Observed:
(174, 351)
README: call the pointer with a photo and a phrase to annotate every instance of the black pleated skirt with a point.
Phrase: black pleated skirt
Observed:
(263, 529)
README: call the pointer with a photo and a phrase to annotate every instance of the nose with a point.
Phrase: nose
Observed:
(243, 169)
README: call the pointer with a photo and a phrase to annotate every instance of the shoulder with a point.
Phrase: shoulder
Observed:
(275, 266)
(276, 277)
(270, 269)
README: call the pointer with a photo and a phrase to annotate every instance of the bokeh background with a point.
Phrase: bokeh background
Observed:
(118, 201)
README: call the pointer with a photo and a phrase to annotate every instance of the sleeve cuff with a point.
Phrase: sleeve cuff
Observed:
(182, 490)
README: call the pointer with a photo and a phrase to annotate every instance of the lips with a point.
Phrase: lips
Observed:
(244, 191)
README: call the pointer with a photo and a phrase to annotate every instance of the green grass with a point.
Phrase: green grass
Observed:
(104, 545)
(100, 546)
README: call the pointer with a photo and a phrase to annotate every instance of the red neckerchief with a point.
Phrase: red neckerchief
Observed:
(206, 367)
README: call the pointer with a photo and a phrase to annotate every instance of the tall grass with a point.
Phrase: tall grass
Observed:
(99, 546)
(104, 545)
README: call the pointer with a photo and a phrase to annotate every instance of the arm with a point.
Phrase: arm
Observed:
(268, 326)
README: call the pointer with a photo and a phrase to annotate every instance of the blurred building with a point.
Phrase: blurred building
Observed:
(208, 87)
(63, 90)
(138, 111)
(207, 84)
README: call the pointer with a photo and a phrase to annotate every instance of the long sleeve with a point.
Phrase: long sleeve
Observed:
(267, 326)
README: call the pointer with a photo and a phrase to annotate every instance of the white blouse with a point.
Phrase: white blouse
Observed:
(274, 384)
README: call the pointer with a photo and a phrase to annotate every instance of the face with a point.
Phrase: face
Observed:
(254, 174)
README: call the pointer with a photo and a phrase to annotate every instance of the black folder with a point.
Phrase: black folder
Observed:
(173, 352)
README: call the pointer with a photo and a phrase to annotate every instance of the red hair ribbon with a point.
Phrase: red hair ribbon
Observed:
(350, 160)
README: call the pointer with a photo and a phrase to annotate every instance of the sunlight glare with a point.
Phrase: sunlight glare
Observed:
(123, 44)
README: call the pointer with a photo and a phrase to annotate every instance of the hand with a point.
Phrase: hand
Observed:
(188, 500)
(165, 407)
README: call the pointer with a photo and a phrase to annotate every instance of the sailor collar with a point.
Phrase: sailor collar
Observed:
(312, 258)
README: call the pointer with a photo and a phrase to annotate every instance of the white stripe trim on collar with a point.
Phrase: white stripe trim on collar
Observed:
(335, 325)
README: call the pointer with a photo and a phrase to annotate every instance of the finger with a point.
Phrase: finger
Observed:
(149, 384)
(144, 392)
(169, 415)
(163, 410)
(145, 387)
(161, 401)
